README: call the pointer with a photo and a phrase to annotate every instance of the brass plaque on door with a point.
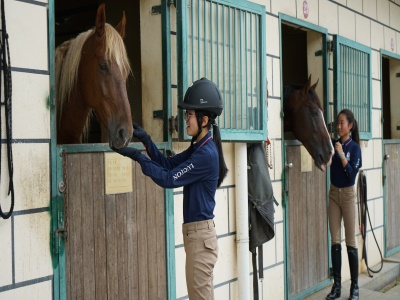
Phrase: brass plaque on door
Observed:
(118, 174)
(306, 160)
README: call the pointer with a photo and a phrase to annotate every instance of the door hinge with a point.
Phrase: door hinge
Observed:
(172, 121)
(56, 236)
(329, 46)
(173, 124)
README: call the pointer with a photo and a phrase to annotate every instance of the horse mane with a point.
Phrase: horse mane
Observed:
(68, 57)
(288, 89)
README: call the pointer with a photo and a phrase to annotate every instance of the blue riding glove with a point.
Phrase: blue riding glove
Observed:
(130, 152)
(140, 133)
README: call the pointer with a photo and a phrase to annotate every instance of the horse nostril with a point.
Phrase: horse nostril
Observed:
(121, 133)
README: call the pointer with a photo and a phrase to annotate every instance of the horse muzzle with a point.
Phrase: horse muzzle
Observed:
(120, 138)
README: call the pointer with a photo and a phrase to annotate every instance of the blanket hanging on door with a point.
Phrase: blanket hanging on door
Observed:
(261, 207)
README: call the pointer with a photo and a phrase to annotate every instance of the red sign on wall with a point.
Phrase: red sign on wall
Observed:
(306, 9)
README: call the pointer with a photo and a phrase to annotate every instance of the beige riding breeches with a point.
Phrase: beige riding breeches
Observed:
(201, 247)
(342, 205)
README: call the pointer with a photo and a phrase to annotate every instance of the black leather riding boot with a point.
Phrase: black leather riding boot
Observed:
(336, 255)
(353, 263)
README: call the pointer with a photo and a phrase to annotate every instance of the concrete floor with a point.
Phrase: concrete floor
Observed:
(384, 285)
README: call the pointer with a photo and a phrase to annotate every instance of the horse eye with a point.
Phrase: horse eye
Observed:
(103, 67)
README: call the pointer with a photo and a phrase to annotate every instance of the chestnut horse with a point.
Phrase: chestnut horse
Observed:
(91, 74)
(304, 117)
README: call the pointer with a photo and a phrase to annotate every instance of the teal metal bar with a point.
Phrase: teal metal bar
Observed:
(217, 33)
(168, 194)
(192, 39)
(211, 42)
(198, 40)
(251, 71)
(223, 63)
(230, 67)
(182, 57)
(57, 200)
(246, 54)
(205, 37)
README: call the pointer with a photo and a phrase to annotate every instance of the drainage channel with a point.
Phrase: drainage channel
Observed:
(393, 288)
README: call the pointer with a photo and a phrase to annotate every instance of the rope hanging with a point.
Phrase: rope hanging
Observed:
(362, 219)
(5, 70)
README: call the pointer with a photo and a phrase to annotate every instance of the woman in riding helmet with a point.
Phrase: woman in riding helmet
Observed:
(200, 170)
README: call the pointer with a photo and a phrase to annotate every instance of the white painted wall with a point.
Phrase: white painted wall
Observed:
(25, 237)
(25, 253)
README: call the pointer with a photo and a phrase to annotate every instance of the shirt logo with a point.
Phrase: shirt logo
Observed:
(348, 156)
(183, 171)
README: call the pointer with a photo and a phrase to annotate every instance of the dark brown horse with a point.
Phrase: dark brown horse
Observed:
(91, 74)
(303, 116)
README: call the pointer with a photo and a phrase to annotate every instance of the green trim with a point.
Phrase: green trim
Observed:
(283, 18)
(182, 56)
(57, 199)
(389, 54)
(286, 19)
(84, 148)
(167, 105)
(337, 41)
(237, 134)
(170, 243)
(394, 141)
(391, 252)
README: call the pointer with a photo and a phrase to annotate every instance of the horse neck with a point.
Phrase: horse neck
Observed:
(73, 120)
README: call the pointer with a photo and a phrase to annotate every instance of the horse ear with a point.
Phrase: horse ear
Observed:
(314, 86)
(121, 25)
(307, 85)
(101, 19)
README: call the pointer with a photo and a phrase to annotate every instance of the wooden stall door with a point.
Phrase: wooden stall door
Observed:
(392, 172)
(307, 218)
(115, 247)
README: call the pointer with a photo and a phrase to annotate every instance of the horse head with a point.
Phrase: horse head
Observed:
(105, 67)
(97, 69)
(303, 116)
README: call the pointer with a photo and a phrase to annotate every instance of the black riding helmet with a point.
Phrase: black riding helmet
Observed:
(203, 95)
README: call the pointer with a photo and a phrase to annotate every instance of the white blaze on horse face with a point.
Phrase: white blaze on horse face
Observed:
(327, 132)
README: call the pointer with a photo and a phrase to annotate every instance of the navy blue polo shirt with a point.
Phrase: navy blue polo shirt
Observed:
(196, 169)
(345, 177)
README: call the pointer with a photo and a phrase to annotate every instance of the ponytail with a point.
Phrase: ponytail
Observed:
(355, 134)
(223, 170)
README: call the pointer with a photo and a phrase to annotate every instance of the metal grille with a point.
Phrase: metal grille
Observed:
(354, 68)
(224, 44)
(353, 79)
